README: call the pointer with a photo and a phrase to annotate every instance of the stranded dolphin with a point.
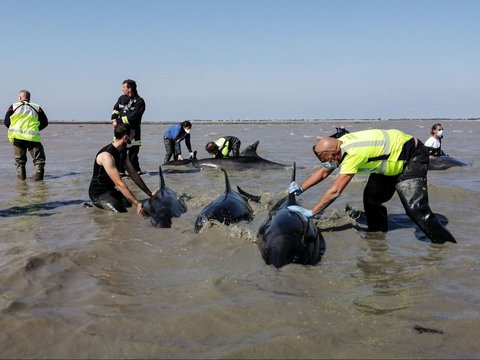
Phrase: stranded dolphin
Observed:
(228, 208)
(248, 159)
(164, 205)
(443, 162)
(288, 237)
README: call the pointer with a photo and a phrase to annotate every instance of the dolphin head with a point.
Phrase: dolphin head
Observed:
(289, 238)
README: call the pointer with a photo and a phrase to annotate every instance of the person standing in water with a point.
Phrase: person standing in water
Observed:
(24, 121)
(129, 109)
(434, 142)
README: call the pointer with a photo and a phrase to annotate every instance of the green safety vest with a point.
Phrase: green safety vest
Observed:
(222, 144)
(373, 151)
(24, 123)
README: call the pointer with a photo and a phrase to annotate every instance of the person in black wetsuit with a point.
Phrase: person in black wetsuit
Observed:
(107, 190)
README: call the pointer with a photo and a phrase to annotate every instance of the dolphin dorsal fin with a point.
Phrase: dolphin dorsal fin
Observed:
(291, 197)
(251, 150)
(227, 182)
(162, 181)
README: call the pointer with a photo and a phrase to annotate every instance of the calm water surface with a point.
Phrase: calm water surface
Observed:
(79, 282)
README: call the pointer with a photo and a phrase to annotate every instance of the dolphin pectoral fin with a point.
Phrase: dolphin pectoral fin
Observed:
(254, 198)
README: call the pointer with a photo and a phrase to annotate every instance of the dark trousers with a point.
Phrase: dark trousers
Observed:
(112, 201)
(411, 186)
(132, 154)
(171, 148)
(37, 152)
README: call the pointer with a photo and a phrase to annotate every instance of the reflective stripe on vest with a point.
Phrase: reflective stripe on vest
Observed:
(24, 123)
(222, 144)
(380, 150)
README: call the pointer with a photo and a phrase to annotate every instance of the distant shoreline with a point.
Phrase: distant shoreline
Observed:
(273, 121)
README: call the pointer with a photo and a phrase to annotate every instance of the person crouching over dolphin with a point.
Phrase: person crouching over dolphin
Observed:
(222, 147)
(107, 190)
(395, 161)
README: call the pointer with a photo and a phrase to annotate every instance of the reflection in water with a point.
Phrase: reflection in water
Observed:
(388, 278)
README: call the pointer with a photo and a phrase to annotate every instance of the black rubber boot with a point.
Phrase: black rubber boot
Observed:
(414, 196)
(38, 172)
(21, 175)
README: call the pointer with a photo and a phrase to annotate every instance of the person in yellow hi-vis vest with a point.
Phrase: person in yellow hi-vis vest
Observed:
(396, 161)
(24, 121)
(221, 148)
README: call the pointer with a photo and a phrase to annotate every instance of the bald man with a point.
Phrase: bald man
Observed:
(25, 120)
(396, 161)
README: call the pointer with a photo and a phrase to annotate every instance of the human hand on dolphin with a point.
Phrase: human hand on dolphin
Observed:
(295, 188)
(141, 210)
(302, 211)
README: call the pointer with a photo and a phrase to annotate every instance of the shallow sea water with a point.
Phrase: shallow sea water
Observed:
(78, 282)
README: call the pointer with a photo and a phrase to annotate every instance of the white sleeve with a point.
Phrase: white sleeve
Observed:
(431, 142)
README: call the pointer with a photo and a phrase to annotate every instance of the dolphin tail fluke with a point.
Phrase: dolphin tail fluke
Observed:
(340, 132)
(251, 197)
(162, 181)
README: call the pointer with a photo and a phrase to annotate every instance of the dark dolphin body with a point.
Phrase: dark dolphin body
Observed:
(164, 205)
(248, 159)
(230, 207)
(288, 237)
(444, 162)
(181, 166)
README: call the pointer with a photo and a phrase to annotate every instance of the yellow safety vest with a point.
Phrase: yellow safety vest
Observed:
(222, 144)
(373, 151)
(24, 123)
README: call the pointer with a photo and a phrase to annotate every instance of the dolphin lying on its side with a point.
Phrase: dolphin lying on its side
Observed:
(164, 205)
(228, 208)
(288, 237)
(248, 159)
(444, 162)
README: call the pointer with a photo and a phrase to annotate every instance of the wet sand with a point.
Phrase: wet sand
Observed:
(77, 282)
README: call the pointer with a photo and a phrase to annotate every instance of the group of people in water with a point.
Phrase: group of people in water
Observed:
(394, 160)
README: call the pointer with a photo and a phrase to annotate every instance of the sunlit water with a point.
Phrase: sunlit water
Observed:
(80, 282)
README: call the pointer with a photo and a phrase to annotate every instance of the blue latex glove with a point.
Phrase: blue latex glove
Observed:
(302, 211)
(295, 188)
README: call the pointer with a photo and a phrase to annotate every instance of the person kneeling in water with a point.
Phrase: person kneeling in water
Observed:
(222, 147)
(107, 190)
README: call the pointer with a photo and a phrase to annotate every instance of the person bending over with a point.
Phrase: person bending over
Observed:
(222, 147)
(172, 138)
(395, 161)
(107, 190)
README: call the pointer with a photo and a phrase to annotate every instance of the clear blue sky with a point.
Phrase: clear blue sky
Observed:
(248, 59)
